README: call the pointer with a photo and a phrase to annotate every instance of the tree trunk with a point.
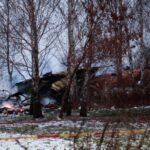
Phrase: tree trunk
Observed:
(84, 95)
(35, 108)
(142, 43)
(68, 108)
(83, 111)
(119, 44)
(87, 63)
(31, 107)
(130, 61)
(9, 67)
(119, 66)
(64, 101)
(71, 57)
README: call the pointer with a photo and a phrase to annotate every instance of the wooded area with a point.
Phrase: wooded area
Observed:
(109, 35)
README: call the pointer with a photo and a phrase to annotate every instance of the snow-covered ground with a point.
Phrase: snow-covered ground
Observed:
(69, 143)
(33, 144)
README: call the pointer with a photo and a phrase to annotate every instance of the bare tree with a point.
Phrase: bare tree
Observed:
(71, 56)
(69, 94)
(6, 45)
(9, 64)
(88, 59)
(35, 107)
(33, 33)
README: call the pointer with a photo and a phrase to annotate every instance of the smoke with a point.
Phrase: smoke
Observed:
(5, 85)
(7, 105)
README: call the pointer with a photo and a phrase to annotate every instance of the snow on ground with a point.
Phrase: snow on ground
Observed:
(67, 143)
(33, 144)
(76, 124)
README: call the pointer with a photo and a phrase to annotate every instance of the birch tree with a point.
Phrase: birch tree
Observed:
(68, 96)
(71, 55)
(35, 103)
(9, 64)
(34, 34)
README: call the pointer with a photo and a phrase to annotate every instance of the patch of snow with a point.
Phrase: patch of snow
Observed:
(34, 144)
(77, 124)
